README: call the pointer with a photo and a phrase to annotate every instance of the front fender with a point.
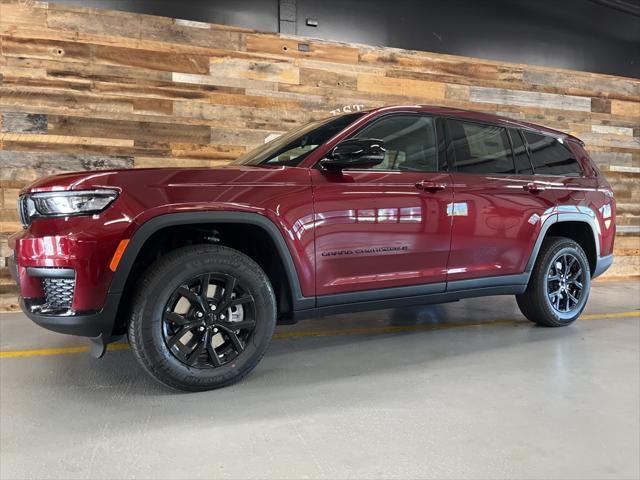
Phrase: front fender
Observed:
(148, 228)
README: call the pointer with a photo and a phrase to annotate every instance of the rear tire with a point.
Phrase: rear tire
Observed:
(202, 318)
(559, 285)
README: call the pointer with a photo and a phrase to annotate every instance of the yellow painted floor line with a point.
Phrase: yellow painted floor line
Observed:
(434, 326)
(56, 351)
(602, 316)
(332, 333)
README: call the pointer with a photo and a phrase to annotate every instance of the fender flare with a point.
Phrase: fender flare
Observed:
(588, 217)
(148, 228)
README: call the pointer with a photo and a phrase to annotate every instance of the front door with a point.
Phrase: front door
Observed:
(386, 226)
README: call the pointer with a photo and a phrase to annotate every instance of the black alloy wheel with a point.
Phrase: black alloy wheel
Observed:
(565, 283)
(202, 317)
(209, 320)
(559, 284)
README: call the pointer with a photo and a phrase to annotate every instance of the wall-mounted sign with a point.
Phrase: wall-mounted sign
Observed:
(347, 109)
(271, 136)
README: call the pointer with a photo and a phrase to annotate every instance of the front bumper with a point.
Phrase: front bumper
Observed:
(97, 325)
(81, 261)
(63, 282)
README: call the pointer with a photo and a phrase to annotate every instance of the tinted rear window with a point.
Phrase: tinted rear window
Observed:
(480, 148)
(551, 157)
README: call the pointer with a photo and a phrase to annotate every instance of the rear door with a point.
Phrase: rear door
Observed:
(386, 226)
(498, 207)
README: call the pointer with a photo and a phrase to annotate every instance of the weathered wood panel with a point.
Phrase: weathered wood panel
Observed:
(83, 89)
(127, 129)
(30, 166)
(283, 47)
(529, 99)
(406, 87)
(24, 122)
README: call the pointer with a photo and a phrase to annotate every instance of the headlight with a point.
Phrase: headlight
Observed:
(80, 202)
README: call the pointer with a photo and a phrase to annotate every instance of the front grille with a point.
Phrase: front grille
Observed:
(58, 292)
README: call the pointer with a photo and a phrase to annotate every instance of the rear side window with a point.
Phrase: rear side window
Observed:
(551, 157)
(480, 148)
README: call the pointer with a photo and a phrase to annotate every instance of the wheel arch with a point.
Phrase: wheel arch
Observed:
(163, 222)
(580, 227)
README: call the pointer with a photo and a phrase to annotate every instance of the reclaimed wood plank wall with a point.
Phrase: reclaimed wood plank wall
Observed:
(84, 89)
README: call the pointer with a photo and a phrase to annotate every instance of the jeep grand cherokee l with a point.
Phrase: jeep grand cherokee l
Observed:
(391, 207)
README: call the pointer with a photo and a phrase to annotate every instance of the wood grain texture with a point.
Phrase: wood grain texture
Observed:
(529, 99)
(25, 166)
(406, 87)
(84, 89)
(23, 122)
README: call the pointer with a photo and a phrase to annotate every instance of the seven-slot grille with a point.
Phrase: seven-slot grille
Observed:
(58, 292)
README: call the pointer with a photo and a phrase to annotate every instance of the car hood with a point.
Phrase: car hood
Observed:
(135, 179)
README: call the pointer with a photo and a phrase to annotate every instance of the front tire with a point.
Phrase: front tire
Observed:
(559, 285)
(202, 318)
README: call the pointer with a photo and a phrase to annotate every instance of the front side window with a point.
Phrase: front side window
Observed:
(292, 148)
(479, 148)
(551, 157)
(410, 142)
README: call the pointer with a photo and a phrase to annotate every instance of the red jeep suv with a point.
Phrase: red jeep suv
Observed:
(396, 206)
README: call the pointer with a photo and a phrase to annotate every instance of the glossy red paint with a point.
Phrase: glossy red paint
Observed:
(495, 223)
(87, 243)
(377, 230)
(398, 235)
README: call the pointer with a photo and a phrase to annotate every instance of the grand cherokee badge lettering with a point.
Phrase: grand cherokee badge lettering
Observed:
(365, 251)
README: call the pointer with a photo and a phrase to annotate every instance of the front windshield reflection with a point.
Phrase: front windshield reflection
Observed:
(292, 148)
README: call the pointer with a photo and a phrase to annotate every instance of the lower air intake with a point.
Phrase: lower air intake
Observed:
(58, 292)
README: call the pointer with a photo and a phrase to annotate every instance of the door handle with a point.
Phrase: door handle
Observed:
(430, 186)
(534, 187)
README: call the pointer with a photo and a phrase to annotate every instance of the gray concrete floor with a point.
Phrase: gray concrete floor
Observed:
(498, 398)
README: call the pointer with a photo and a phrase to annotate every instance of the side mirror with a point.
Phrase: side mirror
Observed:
(355, 153)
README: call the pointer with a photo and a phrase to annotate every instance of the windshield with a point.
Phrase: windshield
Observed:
(293, 147)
